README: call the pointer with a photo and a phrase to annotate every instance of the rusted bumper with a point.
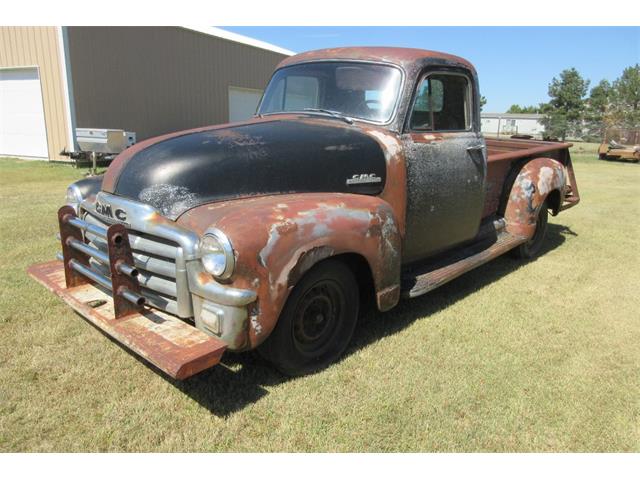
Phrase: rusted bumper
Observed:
(174, 346)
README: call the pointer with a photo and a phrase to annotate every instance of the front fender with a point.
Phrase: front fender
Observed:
(277, 239)
(535, 181)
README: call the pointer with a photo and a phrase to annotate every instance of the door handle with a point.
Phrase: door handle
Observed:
(477, 158)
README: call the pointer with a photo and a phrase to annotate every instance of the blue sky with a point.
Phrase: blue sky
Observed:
(515, 64)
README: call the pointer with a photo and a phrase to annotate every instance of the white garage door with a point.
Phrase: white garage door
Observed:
(243, 103)
(22, 128)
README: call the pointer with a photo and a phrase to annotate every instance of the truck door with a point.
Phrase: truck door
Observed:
(446, 165)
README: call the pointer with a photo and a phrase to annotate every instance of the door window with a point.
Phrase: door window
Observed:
(442, 104)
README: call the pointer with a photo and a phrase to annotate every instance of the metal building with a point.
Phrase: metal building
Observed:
(497, 124)
(149, 80)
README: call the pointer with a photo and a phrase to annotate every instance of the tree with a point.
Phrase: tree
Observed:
(483, 101)
(599, 110)
(564, 112)
(515, 108)
(627, 97)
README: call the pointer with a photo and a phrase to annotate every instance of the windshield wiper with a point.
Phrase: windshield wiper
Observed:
(333, 113)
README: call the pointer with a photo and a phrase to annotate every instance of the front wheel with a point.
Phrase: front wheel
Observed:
(532, 247)
(317, 321)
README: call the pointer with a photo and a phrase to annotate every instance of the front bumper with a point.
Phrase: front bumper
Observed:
(172, 345)
(169, 276)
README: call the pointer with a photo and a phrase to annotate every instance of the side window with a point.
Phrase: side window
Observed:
(442, 103)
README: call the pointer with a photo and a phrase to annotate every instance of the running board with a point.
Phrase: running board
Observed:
(171, 344)
(433, 276)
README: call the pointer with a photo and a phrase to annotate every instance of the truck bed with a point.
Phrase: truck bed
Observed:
(503, 153)
(509, 149)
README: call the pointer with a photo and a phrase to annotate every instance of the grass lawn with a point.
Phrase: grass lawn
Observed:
(538, 356)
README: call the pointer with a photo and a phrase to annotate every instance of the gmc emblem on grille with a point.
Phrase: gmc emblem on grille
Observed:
(106, 210)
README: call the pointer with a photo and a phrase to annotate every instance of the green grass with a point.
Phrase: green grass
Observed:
(537, 356)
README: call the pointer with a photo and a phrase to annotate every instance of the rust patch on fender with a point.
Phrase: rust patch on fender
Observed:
(277, 238)
(535, 181)
(307, 260)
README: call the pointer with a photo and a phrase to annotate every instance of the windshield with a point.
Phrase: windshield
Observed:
(358, 90)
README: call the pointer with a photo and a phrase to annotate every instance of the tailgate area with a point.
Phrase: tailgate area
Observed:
(172, 345)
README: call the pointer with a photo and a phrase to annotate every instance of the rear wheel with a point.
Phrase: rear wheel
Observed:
(317, 321)
(532, 247)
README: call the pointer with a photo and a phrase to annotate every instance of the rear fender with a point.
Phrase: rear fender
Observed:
(277, 239)
(533, 184)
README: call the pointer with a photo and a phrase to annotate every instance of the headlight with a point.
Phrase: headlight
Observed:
(73, 197)
(216, 254)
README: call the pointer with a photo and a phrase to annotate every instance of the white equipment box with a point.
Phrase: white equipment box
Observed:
(104, 140)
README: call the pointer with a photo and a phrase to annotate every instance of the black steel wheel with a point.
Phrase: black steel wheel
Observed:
(532, 247)
(317, 321)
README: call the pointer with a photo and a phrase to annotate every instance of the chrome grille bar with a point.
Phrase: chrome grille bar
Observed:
(88, 228)
(158, 284)
(142, 261)
(160, 263)
(92, 252)
(106, 283)
(137, 241)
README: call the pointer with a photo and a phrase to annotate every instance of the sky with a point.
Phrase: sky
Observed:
(514, 64)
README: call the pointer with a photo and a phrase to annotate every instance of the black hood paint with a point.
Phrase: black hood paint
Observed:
(281, 156)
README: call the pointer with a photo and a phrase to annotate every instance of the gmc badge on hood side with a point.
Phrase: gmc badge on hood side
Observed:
(106, 210)
(363, 178)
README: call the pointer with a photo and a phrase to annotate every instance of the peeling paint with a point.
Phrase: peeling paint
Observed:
(536, 180)
(275, 244)
(255, 323)
(169, 200)
(393, 146)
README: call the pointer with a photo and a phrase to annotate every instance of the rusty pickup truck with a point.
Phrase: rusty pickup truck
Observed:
(363, 175)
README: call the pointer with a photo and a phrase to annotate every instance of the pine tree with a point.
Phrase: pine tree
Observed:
(599, 113)
(627, 97)
(564, 112)
(526, 109)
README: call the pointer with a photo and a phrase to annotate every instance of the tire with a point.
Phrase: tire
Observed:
(532, 247)
(317, 321)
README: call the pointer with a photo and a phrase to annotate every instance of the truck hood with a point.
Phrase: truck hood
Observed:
(178, 172)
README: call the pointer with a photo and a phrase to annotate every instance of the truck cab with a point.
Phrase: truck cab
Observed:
(362, 175)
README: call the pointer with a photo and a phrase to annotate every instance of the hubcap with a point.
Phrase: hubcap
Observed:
(317, 318)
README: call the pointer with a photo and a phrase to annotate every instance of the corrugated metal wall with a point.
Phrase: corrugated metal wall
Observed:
(154, 80)
(38, 46)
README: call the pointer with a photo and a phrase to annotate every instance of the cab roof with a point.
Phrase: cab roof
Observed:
(404, 57)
